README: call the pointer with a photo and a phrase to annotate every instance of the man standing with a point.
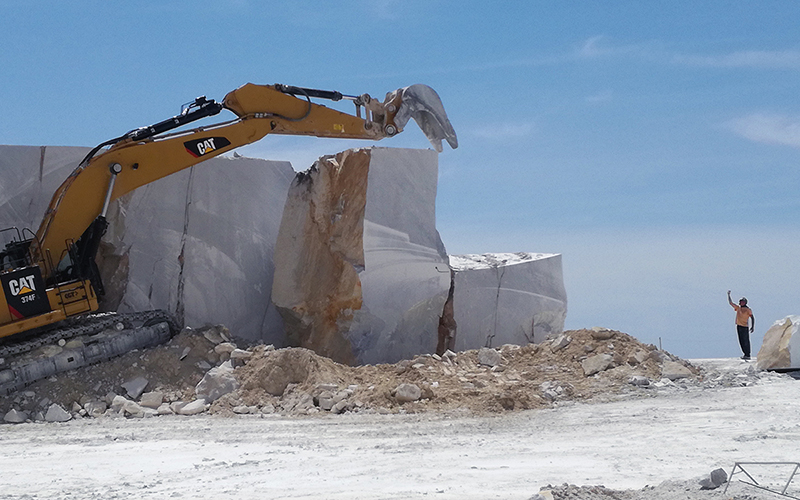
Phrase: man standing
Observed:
(743, 316)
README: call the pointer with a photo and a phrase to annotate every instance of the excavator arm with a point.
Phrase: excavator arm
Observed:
(75, 219)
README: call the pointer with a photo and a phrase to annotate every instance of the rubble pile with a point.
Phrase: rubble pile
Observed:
(203, 371)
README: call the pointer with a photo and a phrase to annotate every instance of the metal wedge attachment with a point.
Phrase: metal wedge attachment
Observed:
(423, 104)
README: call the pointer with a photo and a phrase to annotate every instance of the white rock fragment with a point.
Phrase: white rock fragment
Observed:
(217, 335)
(600, 333)
(15, 416)
(245, 410)
(489, 357)
(95, 408)
(405, 393)
(117, 403)
(132, 409)
(597, 363)
(224, 350)
(135, 387)
(193, 408)
(560, 342)
(674, 371)
(55, 413)
(216, 383)
(240, 357)
(164, 409)
(152, 399)
(637, 357)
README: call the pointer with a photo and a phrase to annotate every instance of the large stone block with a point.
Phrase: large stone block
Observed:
(30, 175)
(361, 274)
(198, 243)
(507, 298)
(780, 348)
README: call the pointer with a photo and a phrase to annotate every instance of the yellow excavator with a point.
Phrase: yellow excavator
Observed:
(50, 277)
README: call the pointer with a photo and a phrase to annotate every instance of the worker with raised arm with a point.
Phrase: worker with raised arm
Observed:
(744, 318)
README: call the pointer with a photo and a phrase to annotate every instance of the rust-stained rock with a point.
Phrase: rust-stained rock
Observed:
(361, 275)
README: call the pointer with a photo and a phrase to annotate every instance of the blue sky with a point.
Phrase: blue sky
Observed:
(654, 144)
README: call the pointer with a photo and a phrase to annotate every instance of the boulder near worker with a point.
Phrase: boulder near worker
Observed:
(744, 315)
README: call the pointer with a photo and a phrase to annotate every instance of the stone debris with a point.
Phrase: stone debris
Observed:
(674, 370)
(574, 366)
(117, 404)
(55, 413)
(489, 357)
(217, 382)
(193, 408)
(135, 387)
(715, 479)
(596, 364)
(15, 416)
(560, 342)
(95, 408)
(405, 393)
(152, 399)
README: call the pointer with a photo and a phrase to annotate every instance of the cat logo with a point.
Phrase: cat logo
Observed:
(25, 292)
(202, 147)
(22, 286)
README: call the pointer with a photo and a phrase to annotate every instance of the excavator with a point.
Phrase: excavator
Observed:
(51, 283)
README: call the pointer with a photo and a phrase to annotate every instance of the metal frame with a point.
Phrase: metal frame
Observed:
(738, 465)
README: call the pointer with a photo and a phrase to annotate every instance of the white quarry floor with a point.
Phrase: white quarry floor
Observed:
(680, 435)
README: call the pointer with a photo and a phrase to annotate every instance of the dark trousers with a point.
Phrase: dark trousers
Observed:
(744, 339)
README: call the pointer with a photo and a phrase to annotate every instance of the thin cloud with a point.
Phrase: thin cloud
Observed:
(780, 59)
(768, 129)
(600, 46)
(504, 131)
(600, 97)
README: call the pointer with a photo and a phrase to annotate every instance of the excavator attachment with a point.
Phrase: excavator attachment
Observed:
(423, 104)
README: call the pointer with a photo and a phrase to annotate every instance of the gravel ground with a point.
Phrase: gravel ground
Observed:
(654, 447)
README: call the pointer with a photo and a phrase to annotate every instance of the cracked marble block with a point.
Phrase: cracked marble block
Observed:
(507, 298)
(780, 348)
(197, 243)
(361, 274)
(30, 175)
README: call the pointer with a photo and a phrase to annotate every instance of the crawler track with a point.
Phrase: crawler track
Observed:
(104, 336)
(85, 325)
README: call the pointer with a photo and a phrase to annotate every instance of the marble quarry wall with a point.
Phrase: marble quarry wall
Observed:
(344, 259)
(780, 348)
(361, 274)
(197, 243)
(512, 298)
